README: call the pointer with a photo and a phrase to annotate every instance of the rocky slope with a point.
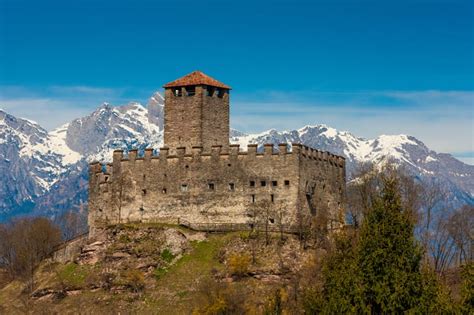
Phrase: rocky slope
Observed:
(48, 171)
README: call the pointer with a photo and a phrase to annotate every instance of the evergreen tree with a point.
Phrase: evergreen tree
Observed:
(388, 254)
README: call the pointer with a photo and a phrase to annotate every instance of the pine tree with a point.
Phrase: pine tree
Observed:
(388, 254)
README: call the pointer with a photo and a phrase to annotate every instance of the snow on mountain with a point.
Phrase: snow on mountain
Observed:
(413, 155)
(50, 169)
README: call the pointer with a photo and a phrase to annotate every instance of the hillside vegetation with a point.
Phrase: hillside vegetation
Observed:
(390, 259)
(162, 270)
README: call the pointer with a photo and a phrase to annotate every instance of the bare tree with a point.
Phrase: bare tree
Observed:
(24, 244)
(71, 224)
(461, 230)
(440, 245)
(360, 192)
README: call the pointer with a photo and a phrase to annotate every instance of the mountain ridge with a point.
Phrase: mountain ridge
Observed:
(51, 167)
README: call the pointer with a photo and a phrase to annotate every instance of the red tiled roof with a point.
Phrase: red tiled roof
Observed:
(196, 78)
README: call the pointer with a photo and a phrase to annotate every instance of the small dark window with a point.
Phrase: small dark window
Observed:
(220, 93)
(229, 165)
(187, 166)
(272, 220)
(287, 183)
(144, 192)
(263, 183)
(252, 183)
(210, 91)
(164, 191)
(100, 209)
(231, 186)
(190, 90)
(211, 186)
(144, 177)
(252, 198)
(142, 209)
(272, 198)
(274, 183)
(184, 187)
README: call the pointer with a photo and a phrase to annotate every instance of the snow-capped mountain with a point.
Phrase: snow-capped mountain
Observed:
(49, 170)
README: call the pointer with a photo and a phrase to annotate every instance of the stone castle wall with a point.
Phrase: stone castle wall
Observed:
(219, 187)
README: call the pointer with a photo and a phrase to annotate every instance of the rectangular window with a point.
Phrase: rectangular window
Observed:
(177, 92)
(252, 183)
(272, 198)
(231, 186)
(287, 183)
(263, 183)
(274, 183)
(184, 187)
(252, 198)
(211, 186)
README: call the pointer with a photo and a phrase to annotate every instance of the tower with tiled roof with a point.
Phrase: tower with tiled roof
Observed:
(196, 113)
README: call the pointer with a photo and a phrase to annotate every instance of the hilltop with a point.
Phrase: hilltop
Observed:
(162, 269)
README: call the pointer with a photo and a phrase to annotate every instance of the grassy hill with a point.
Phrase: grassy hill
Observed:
(158, 269)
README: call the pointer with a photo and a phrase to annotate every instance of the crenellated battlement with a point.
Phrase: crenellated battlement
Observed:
(196, 153)
(233, 150)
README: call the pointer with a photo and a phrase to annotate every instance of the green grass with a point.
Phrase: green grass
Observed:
(180, 280)
(74, 275)
(167, 255)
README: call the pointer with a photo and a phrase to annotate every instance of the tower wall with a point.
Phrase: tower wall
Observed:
(196, 120)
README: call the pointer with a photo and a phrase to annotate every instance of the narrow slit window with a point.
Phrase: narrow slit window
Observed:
(252, 198)
(272, 197)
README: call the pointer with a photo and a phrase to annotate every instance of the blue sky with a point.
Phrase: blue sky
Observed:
(370, 67)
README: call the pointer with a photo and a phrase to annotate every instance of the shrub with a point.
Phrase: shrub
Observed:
(159, 272)
(134, 280)
(167, 255)
(239, 263)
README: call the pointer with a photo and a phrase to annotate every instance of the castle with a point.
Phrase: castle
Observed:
(201, 180)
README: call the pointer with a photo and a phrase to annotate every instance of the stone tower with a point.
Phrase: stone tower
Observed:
(196, 113)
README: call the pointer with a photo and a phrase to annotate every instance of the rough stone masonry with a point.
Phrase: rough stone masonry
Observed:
(200, 180)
